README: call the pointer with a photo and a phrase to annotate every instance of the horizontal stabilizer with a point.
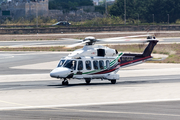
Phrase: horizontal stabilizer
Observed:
(160, 59)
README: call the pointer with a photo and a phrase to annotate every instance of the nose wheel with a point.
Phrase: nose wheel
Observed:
(65, 82)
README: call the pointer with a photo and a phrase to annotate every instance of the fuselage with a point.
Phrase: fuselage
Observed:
(103, 63)
(98, 62)
(87, 62)
(86, 67)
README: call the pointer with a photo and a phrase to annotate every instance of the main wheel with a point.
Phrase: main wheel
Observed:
(66, 83)
(88, 80)
(113, 81)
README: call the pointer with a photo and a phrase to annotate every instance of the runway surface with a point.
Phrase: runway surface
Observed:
(138, 111)
(62, 42)
(145, 92)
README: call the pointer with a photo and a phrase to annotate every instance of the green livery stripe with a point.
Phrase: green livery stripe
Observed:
(114, 61)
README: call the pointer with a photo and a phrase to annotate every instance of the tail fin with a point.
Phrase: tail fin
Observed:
(150, 47)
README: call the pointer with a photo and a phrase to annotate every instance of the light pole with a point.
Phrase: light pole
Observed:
(168, 18)
(125, 12)
(138, 19)
(106, 7)
(36, 14)
(153, 18)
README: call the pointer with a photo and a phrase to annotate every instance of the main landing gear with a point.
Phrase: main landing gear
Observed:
(65, 82)
(113, 81)
(88, 80)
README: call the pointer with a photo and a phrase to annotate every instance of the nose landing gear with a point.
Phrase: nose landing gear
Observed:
(65, 82)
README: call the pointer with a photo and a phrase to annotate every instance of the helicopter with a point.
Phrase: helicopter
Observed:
(98, 61)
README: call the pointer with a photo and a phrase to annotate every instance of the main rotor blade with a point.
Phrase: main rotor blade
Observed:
(70, 39)
(126, 37)
(74, 45)
(123, 40)
(77, 44)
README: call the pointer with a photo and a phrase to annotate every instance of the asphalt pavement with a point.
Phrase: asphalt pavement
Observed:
(134, 111)
(144, 92)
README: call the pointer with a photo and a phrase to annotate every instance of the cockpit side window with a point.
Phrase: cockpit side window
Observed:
(88, 65)
(96, 65)
(68, 64)
(61, 63)
(80, 65)
(101, 64)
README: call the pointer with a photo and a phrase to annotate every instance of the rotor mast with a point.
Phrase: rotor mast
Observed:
(90, 40)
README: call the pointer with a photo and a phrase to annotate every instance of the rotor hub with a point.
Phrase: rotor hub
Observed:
(91, 40)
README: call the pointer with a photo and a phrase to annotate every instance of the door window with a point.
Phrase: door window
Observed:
(96, 65)
(80, 65)
(107, 64)
(101, 64)
(88, 65)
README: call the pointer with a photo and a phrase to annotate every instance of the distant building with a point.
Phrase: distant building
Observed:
(24, 8)
(31, 8)
(100, 2)
(96, 2)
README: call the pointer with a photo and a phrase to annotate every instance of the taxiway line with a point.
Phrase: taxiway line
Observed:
(85, 104)
(46, 77)
(117, 112)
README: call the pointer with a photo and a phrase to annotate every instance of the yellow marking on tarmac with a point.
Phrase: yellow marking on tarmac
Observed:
(14, 103)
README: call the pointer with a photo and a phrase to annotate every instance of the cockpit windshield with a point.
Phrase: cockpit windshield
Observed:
(61, 63)
(70, 64)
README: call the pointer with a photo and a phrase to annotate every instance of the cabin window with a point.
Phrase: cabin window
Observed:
(96, 65)
(107, 64)
(80, 65)
(61, 63)
(88, 65)
(101, 64)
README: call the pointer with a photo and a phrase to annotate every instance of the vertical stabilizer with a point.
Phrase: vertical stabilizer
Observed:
(150, 47)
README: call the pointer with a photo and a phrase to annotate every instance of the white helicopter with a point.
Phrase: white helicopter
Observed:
(99, 62)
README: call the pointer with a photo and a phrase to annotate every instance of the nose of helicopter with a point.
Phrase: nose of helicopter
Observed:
(60, 72)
